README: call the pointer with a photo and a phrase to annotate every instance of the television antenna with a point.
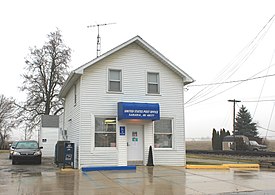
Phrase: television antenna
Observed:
(98, 41)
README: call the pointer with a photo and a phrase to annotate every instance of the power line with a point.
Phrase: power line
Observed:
(258, 100)
(252, 45)
(231, 69)
(264, 83)
(270, 119)
(265, 129)
(205, 99)
(235, 81)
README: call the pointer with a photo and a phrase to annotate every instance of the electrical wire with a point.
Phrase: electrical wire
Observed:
(260, 95)
(226, 118)
(265, 129)
(232, 68)
(205, 99)
(258, 100)
(247, 54)
(270, 119)
(236, 67)
(234, 81)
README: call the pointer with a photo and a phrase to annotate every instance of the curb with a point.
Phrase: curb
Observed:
(223, 166)
(108, 168)
(206, 167)
(66, 169)
(243, 165)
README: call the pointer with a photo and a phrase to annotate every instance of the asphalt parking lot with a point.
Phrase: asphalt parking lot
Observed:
(48, 179)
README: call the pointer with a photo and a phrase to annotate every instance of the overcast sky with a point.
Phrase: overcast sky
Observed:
(211, 40)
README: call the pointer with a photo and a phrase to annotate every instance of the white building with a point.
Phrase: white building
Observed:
(49, 134)
(113, 105)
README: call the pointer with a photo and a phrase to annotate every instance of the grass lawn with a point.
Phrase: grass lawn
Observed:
(207, 145)
(201, 163)
(217, 157)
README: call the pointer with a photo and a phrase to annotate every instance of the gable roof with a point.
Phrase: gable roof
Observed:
(75, 74)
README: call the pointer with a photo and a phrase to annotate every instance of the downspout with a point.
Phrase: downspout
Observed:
(183, 113)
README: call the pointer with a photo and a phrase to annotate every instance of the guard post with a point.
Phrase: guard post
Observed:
(68, 155)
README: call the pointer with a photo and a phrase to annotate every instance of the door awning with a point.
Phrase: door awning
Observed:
(134, 110)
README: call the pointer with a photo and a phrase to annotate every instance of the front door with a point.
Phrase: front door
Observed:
(135, 144)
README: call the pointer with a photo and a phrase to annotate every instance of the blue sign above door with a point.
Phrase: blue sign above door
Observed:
(133, 110)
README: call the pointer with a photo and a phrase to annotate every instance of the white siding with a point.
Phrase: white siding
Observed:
(96, 101)
(72, 117)
(122, 147)
(61, 128)
(148, 140)
(51, 137)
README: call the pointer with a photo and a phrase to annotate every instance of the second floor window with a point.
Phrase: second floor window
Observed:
(114, 80)
(153, 83)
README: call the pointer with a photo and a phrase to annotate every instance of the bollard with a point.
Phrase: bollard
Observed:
(150, 157)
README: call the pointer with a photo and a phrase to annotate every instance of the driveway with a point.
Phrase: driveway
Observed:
(48, 179)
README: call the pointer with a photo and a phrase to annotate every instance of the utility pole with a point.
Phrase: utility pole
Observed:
(234, 121)
(98, 42)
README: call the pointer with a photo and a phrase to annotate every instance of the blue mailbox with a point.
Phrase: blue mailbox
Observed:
(68, 155)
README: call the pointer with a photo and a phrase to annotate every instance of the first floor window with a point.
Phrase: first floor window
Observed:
(105, 132)
(163, 133)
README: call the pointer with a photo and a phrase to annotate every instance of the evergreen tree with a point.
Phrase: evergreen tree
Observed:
(244, 125)
(227, 133)
(222, 135)
(217, 138)
(214, 135)
(218, 141)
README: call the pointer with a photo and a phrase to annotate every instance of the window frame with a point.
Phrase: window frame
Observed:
(167, 133)
(153, 83)
(111, 80)
(105, 132)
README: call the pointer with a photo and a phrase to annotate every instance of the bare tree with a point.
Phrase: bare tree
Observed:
(46, 71)
(8, 118)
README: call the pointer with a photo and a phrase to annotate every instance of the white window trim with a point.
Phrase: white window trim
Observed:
(153, 94)
(92, 133)
(173, 135)
(104, 149)
(121, 80)
(94, 148)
